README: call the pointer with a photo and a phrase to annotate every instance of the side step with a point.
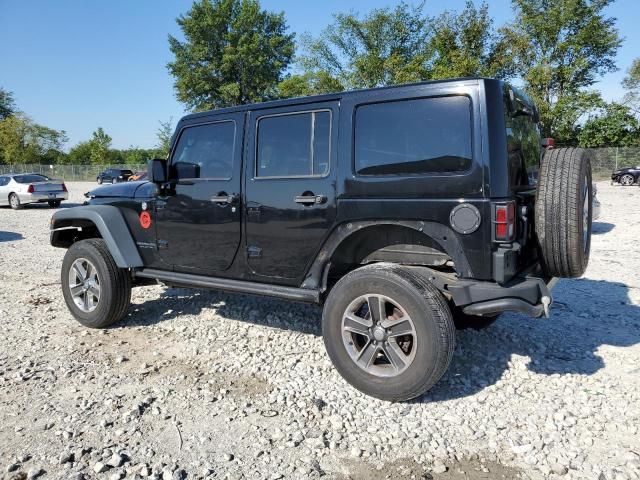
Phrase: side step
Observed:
(228, 285)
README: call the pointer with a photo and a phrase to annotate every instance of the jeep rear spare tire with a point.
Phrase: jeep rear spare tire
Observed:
(388, 331)
(564, 211)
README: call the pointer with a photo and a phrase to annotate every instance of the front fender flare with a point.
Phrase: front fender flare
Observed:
(111, 225)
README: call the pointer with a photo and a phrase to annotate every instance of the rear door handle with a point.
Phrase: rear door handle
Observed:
(310, 199)
(225, 199)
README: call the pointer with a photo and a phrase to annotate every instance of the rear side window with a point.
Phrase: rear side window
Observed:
(4, 181)
(294, 145)
(207, 150)
(30, 178)
(428, 135)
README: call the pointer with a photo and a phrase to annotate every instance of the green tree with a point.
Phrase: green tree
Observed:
(99, 146)
(7, 104)
(164, 134)
(560, 48)
(386, 46)
(234, 53)
(615, 126)
(23, 141)
(465, 44)
(631, 83)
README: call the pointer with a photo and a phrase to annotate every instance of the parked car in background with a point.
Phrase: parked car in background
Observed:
(17, 190)
(626, 176)
(138, 176)
(113, 175)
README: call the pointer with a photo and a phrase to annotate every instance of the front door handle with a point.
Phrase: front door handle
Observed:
(310, 199)
(224, 198)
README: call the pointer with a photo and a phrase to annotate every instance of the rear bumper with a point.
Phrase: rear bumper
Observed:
(39, 197)
(530, 295)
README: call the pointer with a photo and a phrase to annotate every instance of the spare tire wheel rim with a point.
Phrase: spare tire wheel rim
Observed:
(379, 336)
(84, 285)
(586, 205)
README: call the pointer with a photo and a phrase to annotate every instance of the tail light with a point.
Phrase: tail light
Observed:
(30, 189)
(504, 221)
(64, 188)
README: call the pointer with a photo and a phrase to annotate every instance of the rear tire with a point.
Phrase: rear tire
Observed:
(108, 288)
(99, 180)
(564, 211)
(114, 180)
(385, 362)
(14, 201)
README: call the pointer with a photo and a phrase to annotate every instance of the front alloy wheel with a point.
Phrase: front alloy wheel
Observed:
(84, 285)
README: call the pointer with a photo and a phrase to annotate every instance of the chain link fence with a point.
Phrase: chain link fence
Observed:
(605, 161)
(69, 173)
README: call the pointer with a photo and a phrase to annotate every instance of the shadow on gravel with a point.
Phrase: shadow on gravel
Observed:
(586, 314)
(601, 227)
(10, 236)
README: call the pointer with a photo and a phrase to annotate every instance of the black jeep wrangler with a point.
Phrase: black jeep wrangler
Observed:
(403, 210)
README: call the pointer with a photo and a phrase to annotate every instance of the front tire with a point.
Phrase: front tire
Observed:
(388, 331)
(95, 290)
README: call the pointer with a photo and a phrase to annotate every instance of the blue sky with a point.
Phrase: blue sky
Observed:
(77, 65)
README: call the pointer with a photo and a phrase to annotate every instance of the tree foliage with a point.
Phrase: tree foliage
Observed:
(559, 50)
(631, 84)
(164, 134)
(400, 45)
(7, 104)
(24, 141)
(614, 126)
(234, 53)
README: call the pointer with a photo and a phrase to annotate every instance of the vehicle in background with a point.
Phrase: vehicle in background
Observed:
(19, 189)
(113, 175)
(136, 177)
(626, 176)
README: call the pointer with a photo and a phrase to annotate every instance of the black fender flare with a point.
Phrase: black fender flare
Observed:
(441, 234)
(111, 225)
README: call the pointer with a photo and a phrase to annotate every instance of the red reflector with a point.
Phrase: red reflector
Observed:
(501, 231)
(145, 220)
(501, 214)
(30, 189)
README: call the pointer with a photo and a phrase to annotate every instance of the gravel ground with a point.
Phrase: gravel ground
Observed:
(198, 384)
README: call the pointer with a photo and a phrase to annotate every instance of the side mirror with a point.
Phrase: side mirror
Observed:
(157, 170)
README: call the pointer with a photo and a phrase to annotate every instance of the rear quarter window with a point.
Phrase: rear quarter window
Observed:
(416, 136)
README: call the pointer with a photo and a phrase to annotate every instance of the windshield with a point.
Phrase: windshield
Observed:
(30, 178)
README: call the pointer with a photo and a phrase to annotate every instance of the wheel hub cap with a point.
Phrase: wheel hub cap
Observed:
(379, 335)
(84, 285)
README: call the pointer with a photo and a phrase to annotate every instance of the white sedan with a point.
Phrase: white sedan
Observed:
(20, 189)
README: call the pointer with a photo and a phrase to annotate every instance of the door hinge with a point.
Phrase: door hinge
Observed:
(254, 252)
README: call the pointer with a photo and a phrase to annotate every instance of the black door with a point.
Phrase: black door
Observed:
(290, 188)
(198, 218)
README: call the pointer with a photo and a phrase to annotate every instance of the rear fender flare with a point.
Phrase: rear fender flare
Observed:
(441, 234)
(112, 227)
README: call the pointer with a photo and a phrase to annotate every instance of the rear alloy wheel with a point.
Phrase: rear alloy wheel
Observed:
(95, 290)
(14, 201)
(388, 331)
(54, 203)
(626, 180)
(563, 213)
